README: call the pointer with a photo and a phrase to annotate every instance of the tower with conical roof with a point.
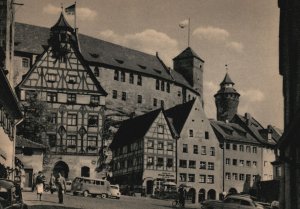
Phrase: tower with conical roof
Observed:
(61, 36)
(227, 100)
(190, 66)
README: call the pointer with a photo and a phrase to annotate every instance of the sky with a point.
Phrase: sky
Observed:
(240, 33)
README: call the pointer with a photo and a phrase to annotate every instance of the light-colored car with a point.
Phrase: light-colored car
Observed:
(90, 186)
(114, 191)
(232, 202)
(68, 186)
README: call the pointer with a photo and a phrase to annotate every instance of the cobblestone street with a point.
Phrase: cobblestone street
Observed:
(71, 202)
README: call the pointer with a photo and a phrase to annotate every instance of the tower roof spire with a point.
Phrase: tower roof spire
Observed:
(62, 23)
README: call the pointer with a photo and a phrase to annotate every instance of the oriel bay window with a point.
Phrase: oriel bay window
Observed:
(93, 120)
(72, 119)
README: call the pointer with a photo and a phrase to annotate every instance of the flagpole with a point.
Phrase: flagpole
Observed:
(75, 16)
(189, 33)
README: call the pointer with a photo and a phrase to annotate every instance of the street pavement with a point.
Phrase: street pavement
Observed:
(50, 201)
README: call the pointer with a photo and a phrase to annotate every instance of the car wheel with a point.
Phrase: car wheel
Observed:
(104, 195)
(86, 193)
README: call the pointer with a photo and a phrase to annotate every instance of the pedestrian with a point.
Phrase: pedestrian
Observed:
(52, 183)
(39, 185)
(61, 187)
(182, 194)
(33, 182)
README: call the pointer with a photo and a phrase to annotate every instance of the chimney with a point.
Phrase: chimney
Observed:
(269, 133)
(248, 118)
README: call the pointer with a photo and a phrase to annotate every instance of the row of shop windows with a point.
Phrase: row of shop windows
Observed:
(209, 179)
(234, 162)
(241, 148)
(203, 151)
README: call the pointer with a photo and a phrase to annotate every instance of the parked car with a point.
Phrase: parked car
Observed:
(232, 202)
(68, 186)
(114, 191)
(90, 186)
(11, 195)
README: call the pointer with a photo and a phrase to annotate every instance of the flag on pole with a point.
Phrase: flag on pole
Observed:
(70, 10)
(184, 23)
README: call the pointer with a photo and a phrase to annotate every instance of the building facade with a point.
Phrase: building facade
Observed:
(248, 149)
(144, 152)
(198, 151)
(61, 78)
(10, 115)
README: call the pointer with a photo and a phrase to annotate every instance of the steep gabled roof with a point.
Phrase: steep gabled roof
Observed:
(82, 61)
(22, 142)
(179, 114)
(31, 39)
(134, 129)
(231, 132)
(253, 127)
(8, 98)
(187, 53)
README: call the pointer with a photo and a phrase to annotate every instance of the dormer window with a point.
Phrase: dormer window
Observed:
(51, 77)
(72, 79)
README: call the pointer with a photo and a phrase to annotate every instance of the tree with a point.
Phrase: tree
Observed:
(36, 121)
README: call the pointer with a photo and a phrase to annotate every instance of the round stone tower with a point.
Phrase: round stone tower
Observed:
(227, 100)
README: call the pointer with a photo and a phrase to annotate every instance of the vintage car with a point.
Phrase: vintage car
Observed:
(11, 195)
(232, 202)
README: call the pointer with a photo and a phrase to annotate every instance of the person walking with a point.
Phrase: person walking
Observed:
(61, 187)
(39, 185)
(52, 183)
(182, 194)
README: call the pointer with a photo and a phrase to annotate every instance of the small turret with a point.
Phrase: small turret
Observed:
(227, 100)
(61, 35)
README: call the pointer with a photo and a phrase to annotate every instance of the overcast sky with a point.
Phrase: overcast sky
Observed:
(240, 33)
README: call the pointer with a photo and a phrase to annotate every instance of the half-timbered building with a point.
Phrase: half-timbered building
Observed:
(75, 98)
(144, 152)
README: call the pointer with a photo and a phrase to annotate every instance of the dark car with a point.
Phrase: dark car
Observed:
(11, 195)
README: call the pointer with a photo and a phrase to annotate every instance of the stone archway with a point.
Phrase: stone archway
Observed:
(201, 195)
(191, 195)
(211, 194)
(62, 168)
(232, 191)
(149, 186)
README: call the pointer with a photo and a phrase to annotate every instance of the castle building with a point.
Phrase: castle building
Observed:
(135, 82)
(289, 68)
(61, 78)
(247, 147)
